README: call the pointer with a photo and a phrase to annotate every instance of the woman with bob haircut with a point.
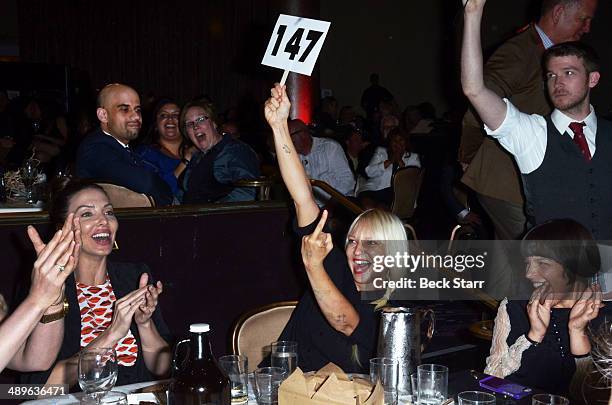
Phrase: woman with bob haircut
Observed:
(111, 304)
(542, 342)
(331, 322)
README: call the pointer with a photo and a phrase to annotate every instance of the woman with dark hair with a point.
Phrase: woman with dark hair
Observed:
(542, 342)
(164, 148)
(218, 162)
(110, 304)
(375, 191)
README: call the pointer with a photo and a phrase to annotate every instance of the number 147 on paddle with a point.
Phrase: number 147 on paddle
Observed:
(295, 44)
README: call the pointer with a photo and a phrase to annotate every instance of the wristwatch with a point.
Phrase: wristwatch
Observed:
(56, 315)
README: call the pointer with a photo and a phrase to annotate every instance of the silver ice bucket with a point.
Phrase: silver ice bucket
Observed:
(399, 338)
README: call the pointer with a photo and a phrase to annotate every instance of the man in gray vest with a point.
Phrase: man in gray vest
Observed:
(564, 158)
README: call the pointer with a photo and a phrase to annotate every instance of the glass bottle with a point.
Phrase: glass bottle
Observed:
(199, 381)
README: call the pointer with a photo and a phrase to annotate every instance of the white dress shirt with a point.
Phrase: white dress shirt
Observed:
(525, 135)
(327, 162)
(125, 145)
(379, 176)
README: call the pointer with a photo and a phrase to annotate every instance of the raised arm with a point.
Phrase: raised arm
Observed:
(292, 171)
(338, 310)
(28, 344)
(490, 107)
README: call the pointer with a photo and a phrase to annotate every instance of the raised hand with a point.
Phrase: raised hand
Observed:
(538, 312)
(585, 309)
(55, 262)
(146, 309)
(317, 245)
(124, 311)
(277, 106)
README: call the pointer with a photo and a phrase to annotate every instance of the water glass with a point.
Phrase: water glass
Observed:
(97, 371)
(476, 398)
(267, 381)
(548, 399)
(432, 384)
(284, 354)
(386, 371)
(236, 368)
(114, 398)
(414, 388)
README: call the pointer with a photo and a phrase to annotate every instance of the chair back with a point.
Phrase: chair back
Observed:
(122, 197)
(406, 184)
(257, 329)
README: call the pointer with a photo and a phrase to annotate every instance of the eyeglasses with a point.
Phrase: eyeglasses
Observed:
(197, 122)
(164, 116)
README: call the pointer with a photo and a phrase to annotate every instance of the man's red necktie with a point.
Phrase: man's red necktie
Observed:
(580, 139)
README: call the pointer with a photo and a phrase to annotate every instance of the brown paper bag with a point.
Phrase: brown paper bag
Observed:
(330, 385)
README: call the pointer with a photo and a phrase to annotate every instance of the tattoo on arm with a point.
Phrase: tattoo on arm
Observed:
(286, 149)
(341, 319)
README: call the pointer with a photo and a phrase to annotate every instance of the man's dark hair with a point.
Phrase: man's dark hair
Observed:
(589, 57)
(568, 243)
(548, 5)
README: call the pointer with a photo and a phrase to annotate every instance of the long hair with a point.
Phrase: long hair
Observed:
(386, 227)
(383, 226)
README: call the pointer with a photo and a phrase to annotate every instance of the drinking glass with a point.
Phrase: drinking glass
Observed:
(548, 399)
(284, 354)
(414, 388)
(267, 381)
(432, 383)
(476, 398)
(386, 371)
(97, 371)
(236, 368)
(114, 398)
(29, 173)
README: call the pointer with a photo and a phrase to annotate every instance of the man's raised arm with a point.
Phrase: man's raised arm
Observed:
(490, 107)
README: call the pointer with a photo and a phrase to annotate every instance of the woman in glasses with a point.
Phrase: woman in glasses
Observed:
(218, 162)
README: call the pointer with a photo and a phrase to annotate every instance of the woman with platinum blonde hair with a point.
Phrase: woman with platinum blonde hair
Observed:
(332, 323)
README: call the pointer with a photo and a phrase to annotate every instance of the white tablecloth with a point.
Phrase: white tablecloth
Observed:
(74, 398)
(133, 398)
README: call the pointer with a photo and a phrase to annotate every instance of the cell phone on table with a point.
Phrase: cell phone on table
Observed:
(502, 386)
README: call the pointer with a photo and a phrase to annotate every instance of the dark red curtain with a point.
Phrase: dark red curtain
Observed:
(176, 48)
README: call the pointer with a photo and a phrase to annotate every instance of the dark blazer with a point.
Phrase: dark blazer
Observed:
(124, 278)
(102, 158)
(514, 71)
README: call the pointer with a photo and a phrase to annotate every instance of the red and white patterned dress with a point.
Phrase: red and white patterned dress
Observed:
(96, 305)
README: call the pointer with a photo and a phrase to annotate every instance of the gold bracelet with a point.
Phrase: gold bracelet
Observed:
(56, 315)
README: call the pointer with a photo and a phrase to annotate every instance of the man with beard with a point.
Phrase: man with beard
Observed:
(105, 155)
(564, 157)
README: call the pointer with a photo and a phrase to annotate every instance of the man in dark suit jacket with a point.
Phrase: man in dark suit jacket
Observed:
(104, 155)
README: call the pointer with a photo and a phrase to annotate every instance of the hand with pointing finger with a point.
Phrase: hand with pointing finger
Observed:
(317, 245)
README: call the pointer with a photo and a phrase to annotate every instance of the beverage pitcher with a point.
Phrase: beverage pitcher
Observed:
(399, 338)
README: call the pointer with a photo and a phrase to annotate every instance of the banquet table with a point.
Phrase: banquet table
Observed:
(465, 380)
